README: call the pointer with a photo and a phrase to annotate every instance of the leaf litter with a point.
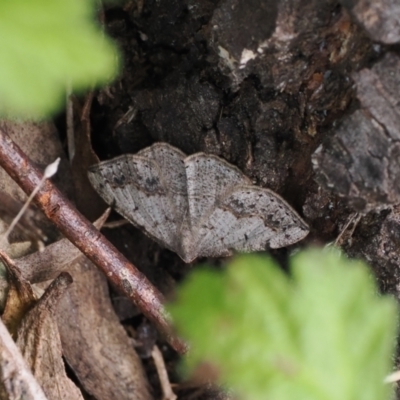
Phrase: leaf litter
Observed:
(90, 343)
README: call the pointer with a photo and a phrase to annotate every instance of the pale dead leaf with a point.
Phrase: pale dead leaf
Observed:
(16, 379)
(39, 342)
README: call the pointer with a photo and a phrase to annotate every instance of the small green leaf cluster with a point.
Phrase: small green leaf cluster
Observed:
(320, 333)
(45, 46)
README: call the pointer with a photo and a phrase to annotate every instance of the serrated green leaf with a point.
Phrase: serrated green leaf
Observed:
(321, 334)
(46, 45)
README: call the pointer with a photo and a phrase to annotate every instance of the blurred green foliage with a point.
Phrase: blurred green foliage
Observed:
(322, 333)
(46, 45)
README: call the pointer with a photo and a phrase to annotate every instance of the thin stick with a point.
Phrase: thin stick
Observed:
(166, 388)
(353, 219)
(69, 119)
(126, 277)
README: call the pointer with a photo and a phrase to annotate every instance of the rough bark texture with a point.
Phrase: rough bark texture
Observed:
(361, 161)
(258, 83)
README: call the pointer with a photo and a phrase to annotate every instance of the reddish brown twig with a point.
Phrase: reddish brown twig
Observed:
(87, 238)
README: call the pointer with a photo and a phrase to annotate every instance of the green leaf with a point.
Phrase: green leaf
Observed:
(321, 334)
(46, 45)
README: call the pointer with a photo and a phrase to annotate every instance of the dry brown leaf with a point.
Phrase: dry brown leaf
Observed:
(4, 286)
(26, 229)
(47, 264)
(41, 142)
(88, 201)
(20, 296)
(39, 342)
(94, 343)
(55, 258)
(16, 379)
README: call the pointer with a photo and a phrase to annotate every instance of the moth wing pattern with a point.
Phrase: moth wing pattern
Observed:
(136, 187)
(197, 206)
(250, 218)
